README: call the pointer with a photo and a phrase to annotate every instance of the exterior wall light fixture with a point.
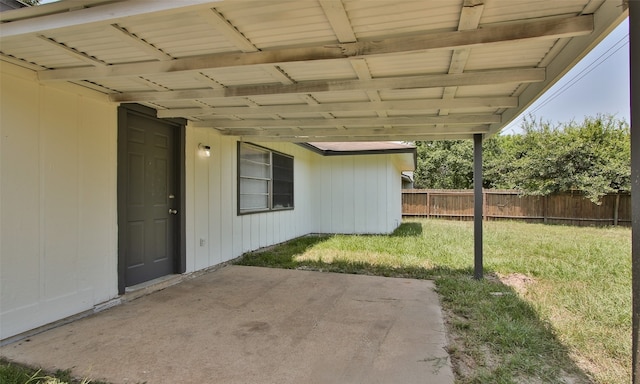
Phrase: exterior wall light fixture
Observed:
(205, 150)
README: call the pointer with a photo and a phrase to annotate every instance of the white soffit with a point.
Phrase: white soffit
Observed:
(315, 70)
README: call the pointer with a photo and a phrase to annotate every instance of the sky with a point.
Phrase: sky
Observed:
(598, 84)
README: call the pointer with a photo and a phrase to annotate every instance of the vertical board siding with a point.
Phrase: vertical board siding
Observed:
(566, 208)
(202, 189)
(371, 211)
(335, 196)
(58, 202)
(97, 176)
(216, 186)
(394, 207)
(360, 198)
(60, 181)
(348, 195)
(323, 170)
(227, 171)
(357, 194)
(20, 203)
(58, 212)
(212, 196)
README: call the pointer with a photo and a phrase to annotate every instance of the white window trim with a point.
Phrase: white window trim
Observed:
(270, 190)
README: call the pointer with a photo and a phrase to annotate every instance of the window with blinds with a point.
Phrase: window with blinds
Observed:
(265, 179)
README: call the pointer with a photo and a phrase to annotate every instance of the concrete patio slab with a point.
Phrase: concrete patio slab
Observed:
(257, 325)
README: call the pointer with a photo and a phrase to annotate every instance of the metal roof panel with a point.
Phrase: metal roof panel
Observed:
(285, 58)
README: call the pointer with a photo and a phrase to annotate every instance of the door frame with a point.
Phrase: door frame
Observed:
(180, 125)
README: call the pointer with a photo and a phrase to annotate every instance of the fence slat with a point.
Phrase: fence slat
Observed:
(572, 208)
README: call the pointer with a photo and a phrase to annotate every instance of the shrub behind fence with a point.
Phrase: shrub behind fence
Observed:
(567, 208)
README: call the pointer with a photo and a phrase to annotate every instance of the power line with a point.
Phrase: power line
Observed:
(577, 77)
(593, 65)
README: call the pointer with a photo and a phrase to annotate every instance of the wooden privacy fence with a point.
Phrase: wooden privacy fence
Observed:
(568, 208)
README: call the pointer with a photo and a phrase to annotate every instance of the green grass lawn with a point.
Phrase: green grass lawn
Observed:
(11, 373)
(555, 305)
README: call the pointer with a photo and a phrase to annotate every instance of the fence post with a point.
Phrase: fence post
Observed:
(545, 202)
(617, 207)
(428, 204)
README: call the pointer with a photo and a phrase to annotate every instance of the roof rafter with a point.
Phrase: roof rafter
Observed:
(469, 19)
(122, 34)
(337, 15)
(540, 29)
(20, 62)
(214, 18)
(311, 102)
(72, 52)
(362, 70)
(408, 82)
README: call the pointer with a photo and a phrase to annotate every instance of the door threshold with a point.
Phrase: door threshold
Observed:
(135, 291)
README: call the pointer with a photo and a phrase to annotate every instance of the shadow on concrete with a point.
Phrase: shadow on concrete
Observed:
(494, 334)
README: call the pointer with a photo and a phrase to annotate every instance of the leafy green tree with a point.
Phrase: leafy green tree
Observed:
(593, 157)
(444, 164)
(449, 164)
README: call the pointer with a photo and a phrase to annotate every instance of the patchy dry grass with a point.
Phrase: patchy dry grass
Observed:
(555, 307)
(11, 373)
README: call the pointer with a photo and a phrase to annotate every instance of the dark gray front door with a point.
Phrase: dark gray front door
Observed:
(148, 198)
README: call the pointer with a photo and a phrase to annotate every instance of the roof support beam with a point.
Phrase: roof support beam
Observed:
(541, 29)
(354, 121)
(382, 137)
(401, 105)
(408, 82)
(338, 134)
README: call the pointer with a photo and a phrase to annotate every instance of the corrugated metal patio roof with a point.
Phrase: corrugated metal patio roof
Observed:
(314, 70)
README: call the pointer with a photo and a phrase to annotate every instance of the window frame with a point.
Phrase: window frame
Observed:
(270, 179)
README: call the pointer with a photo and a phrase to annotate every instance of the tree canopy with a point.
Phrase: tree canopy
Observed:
(593, 157)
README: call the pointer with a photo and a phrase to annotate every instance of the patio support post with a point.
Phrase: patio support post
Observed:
(634, 74)
(477, 205)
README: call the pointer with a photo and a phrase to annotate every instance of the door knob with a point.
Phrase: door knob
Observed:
(173, 211)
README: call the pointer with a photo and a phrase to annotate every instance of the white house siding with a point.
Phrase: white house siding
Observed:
(394, 194)
(215, 232)
(57, 201)
(356, 194)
